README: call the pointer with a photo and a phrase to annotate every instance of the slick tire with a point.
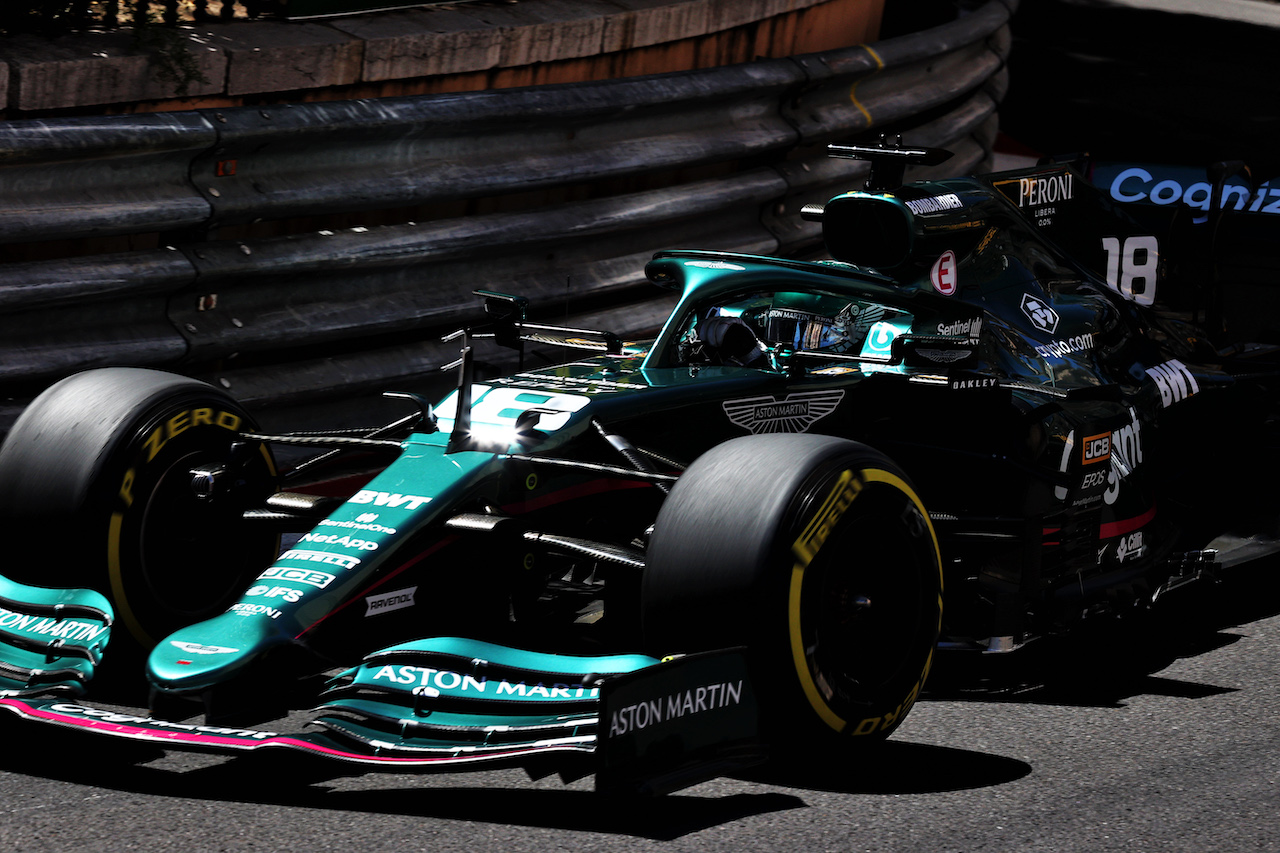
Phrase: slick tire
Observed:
(815, 554)
(96, 491)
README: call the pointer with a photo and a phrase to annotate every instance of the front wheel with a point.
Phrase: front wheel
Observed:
(96, 490)
(817, 555)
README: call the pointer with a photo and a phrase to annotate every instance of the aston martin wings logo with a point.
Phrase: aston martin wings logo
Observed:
(795, 413)
(201, 649)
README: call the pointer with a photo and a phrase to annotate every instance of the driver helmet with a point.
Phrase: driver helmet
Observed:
(813, 322)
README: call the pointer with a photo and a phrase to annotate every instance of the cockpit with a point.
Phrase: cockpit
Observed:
(764, 328)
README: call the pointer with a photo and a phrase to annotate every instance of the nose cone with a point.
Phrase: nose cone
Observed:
(212, 652)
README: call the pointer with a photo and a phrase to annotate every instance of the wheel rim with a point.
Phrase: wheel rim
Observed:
(862, 622)
(193, 558)
(863, 614)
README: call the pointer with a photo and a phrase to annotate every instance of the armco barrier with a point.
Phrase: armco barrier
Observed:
(85, 177)
(328, 313)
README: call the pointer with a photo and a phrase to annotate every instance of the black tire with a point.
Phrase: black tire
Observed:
(816, 554)
(95, 486)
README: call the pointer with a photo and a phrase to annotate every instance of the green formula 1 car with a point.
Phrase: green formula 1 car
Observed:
(666, 558)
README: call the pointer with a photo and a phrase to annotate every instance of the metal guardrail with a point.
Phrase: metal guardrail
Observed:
(324, 313)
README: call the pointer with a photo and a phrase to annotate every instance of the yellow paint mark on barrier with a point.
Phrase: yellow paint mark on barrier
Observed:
(853, 90)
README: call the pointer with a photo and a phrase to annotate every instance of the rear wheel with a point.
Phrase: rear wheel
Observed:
(816, 554)
(96, 487)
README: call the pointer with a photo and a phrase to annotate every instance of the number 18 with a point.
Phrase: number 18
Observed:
(1131, 270)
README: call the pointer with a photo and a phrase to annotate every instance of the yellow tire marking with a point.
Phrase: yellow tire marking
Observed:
(800, 661)
(265, 452)
(116, 576)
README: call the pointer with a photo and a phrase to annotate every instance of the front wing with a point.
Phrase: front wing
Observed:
(639, 724)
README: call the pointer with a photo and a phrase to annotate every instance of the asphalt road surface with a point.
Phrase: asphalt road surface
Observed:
(1164, 739)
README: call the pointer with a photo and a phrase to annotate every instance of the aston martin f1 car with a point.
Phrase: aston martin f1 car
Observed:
(666, 558)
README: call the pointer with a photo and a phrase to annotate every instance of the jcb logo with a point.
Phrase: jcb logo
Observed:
(1097, 448)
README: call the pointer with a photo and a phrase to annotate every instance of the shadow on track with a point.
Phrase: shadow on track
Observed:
(1104, 662)
(893, 767)
(295, 781)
